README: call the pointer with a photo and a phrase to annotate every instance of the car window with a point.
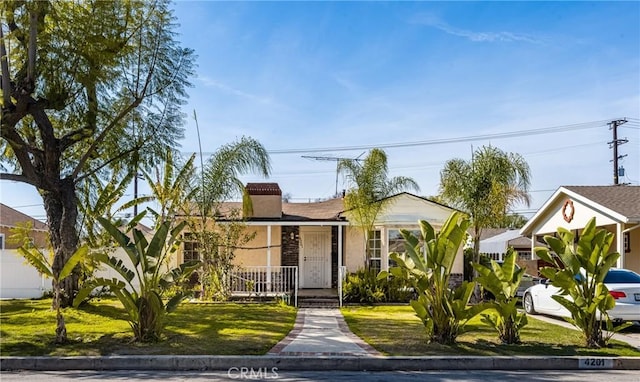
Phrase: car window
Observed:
(619, 277)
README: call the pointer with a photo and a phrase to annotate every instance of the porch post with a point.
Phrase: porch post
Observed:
(269, 258)
(339, 246)
(340, 275)
(620, 245)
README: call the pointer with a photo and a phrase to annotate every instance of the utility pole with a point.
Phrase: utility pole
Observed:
(336, 159)
(614, 144)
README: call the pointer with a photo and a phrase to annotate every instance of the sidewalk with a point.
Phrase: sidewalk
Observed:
(322, 332)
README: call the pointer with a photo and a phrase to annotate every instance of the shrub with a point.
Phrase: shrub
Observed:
(443, 311)
(502, 282)
(579, 271)
(364, 287)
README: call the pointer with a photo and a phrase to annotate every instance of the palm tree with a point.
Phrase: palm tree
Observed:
(369, 190)
(221, 178)
(178, 188)
(486, 187)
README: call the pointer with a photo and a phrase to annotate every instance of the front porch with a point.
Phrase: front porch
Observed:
(280, 282)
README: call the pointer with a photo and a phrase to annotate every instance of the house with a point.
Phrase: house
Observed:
(494, 243)
(616, 209)
(17, 278)
(316, 241)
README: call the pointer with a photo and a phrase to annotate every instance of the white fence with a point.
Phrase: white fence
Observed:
(265, 281)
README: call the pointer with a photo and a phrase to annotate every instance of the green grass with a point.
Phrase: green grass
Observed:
(395, 330)
(27, 328)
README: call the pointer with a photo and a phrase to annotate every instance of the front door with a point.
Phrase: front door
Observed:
(315, 258)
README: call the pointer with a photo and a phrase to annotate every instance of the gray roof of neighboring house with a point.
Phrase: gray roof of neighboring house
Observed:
(10, 217)
(624, 200)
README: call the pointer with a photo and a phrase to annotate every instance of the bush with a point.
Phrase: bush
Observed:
(363, 287)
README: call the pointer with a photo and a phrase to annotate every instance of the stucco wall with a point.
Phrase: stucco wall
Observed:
(266, 206)
(258, 255)
(632, 259)
(353, 249)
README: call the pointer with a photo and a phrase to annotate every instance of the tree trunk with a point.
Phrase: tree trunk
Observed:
(62, 212)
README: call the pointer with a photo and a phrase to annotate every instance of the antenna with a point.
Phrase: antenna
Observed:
(333, 159)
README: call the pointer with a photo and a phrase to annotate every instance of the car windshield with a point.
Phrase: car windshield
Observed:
(620, 277)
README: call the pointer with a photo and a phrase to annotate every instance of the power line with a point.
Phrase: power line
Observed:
(470, 138)
(512, 134)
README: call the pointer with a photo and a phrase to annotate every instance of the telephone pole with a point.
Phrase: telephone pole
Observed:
(614, 144)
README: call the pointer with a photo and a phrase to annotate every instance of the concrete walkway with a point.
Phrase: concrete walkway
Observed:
(322, 332)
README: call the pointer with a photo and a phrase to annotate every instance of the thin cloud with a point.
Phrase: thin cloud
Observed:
(210, 82)
(432, 21)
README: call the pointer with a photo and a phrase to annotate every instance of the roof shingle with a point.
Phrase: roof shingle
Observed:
(624, 200)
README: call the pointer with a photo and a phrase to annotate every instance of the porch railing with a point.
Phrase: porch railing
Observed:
(265, 281)
(342, 275)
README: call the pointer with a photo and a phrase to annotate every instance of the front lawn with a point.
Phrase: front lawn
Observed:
(27, 328)
(396, 331)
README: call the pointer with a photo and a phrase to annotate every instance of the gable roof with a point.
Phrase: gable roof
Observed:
(625, 200)
(326, 210)
(10, 217)
(621, 202)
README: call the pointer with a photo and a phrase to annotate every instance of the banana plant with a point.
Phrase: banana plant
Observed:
(427, 265)
(145, 281)
(503, 281)
(44, 264)
(579, 272)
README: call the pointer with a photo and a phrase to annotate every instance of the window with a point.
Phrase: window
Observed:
(375, 250)
(627, 242)
(524, 255)
(396, 242)
(190, 248)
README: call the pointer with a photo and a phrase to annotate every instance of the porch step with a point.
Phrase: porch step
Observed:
(318, 302)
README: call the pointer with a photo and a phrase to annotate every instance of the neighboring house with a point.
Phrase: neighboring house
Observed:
(616, 208)
(17, 278)
(495, 242)
(317, 238)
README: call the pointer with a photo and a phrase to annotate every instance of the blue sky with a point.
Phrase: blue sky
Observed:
(324, 75)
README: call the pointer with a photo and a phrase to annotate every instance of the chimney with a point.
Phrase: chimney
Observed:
(266, 200)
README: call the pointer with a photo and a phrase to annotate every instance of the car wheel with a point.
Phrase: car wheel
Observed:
(528, 304)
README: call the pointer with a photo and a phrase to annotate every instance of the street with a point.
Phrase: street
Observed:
(285, 376)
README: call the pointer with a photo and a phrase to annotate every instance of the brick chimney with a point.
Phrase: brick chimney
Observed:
(266, 200)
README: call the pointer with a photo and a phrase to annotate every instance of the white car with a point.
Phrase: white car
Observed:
(623, 285)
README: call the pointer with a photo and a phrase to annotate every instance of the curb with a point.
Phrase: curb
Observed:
(348, 363)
